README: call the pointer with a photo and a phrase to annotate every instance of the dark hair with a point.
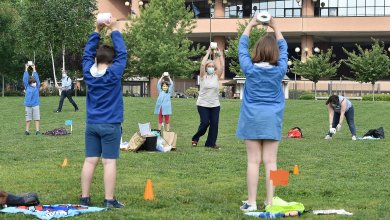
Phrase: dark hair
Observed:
(105, 54)
(165, 83)
(333, 99)
(31, 80)
(266, 50)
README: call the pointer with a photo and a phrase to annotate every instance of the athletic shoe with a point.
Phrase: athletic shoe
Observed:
(354, 138)
(57, 111)
(328, 137)
(215, 147)
(27, 133)
(246, 207)
(86, 201)
(112, 203)
(194, 143)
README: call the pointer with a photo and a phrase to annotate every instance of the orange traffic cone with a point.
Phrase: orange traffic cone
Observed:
(296, 170)
(65, 163)
(148, 194)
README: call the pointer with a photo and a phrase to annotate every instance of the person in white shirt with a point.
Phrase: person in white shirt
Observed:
(66, 91)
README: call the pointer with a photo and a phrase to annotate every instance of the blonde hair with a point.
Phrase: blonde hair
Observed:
(207, 63)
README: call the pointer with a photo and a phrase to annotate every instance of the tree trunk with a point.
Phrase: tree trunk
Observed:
(2, 76)
(54, 69)
(373, 97)
(315, 91)
(63, 57)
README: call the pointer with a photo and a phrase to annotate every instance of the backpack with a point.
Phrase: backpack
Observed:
(375, 133)
(26, 199)
(295, 132)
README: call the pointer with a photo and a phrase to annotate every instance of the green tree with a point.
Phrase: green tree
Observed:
(56, 27)
(369, 65)
(158, 41)
(7, 44)
(316, 67)
(232, 52)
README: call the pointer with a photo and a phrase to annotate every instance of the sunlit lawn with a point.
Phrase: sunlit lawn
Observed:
(201, 183)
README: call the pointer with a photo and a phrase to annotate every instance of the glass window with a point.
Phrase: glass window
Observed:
(297, 12)
(387, 11)
(379, 2)
(279, 12)
(333, 12)
(333, 3)
(360, 3)
(351, 11)
(324, 12)
(342, 3)
(370, 11)
(352, 3)
(271, 4)
(379, 11)
(342, 12)
(370, 3)
(280, 3)
(288, 3)
(361, 11)
(272, 12)
(288, 12)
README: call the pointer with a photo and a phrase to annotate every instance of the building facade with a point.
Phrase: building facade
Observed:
(307, 25)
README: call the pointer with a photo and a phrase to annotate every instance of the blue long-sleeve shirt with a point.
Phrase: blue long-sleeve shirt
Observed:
(31, 98)
(104, 93)
(66, 83)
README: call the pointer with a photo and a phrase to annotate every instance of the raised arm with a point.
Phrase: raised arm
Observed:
(243, 47)
(119, 62)
(170, 84)
(36, 77)
(219, 62)
(90, 51)
(283, 55)
(203, 63)
(25, 76)
(159, 84)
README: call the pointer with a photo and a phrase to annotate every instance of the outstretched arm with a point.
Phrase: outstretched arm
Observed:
(219, 62)
(330, 115)
(203, 63)
(243, 47)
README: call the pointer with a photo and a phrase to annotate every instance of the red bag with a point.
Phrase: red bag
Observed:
(295, 133)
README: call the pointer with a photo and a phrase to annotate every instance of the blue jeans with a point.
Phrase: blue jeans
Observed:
(349, 115)
(208, 117)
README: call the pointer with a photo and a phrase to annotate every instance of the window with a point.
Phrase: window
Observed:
(327, 8)
(277, 8)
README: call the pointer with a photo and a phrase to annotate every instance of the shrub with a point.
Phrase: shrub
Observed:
(307, 96)
(192, 91)
(377, 97)
(13, 93)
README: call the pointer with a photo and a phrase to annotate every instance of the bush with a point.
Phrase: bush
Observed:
(192, 91)
(307, 96)
(377, 97)
(13, 93)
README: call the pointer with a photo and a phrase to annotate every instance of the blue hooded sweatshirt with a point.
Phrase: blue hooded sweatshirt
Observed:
(31, 98)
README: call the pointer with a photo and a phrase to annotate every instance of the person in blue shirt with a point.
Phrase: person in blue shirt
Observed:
(66, 91)
(339, 108)
(163, 106)
(262, 108)
(103, 67)
(31, 99)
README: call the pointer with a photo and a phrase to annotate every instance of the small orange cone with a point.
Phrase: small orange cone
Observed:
(296, 170)
(148, 194)
(65, 163)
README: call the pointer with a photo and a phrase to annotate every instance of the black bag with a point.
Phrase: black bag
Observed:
(376, 133)
(26, 199)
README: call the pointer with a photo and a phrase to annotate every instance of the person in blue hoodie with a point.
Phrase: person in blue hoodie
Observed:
(163, 106)
(103, 67)
(262, 108)
(31, 99)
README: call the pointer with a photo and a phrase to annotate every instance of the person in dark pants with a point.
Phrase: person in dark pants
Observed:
(339, 108)
(66, 88)
(208, 99)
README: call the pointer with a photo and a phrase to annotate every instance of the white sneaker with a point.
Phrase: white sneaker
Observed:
(354, 138)
(328, 137)
(246, 207)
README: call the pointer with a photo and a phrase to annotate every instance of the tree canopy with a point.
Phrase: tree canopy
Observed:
(158, 40)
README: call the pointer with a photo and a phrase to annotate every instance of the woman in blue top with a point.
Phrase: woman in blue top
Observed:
(31, 100)
(262, 108)
(339, 108)
(163, 105)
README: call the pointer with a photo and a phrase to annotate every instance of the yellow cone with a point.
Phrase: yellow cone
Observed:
(65, 163)
(296, 170)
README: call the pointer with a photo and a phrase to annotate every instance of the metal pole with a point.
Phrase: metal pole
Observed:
(210, 27)
(295, 86)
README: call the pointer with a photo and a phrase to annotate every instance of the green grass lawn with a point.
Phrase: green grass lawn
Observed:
(201, 183)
